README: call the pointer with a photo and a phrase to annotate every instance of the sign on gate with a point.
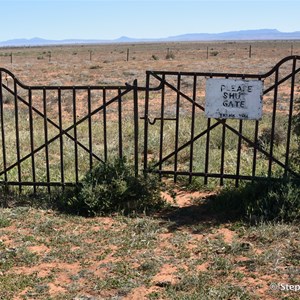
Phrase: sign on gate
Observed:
(233, 99)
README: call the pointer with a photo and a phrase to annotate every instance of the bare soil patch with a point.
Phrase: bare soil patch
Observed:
(174, 254)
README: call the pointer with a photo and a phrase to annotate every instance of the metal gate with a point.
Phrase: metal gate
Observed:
(53, 135)
(180, 141)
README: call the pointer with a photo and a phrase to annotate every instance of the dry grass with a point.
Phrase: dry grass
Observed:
(109, 65)
(182, 253)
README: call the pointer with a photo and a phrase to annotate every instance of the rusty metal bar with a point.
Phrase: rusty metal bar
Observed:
(206, 163)
(136, 128)
(61, 140)
(213, 175)
(222, 154)
(273, 124)
(75, 136)
(46, 139)
(255, 150)
(31, 138)
(17, 135)
(239, 149)
(162, 111)
(104, 126)
(177, 127)
(289, 129)
(2, 129)
(193, 127)
(90, 128)
(146, 122)
(120, 124)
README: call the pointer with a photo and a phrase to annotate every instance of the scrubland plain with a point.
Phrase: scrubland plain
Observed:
(183, 252)
(108, 64)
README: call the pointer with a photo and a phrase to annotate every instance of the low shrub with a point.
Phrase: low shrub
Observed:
(279, 202)
(214, 53)
(296, 118)
(295, 153)
(113, 187)
(170, 55)
(265, 137)
(260, 202)
(155, 57)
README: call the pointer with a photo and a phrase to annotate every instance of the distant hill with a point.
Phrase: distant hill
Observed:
(242, 35)
(43, 42)
(260, 34)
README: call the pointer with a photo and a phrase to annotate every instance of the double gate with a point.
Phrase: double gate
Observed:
(53, 135)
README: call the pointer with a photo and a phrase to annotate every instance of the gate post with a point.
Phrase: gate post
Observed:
(136, 127)
(146, 122)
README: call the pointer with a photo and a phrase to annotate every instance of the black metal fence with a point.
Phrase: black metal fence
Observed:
(221, 148)
(53, 135)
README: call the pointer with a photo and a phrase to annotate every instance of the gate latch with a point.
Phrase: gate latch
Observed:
(157, 119)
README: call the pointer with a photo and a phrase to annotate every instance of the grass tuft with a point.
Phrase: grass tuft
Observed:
(260, 202)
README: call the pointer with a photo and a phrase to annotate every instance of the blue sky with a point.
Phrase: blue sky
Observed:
(100, 19)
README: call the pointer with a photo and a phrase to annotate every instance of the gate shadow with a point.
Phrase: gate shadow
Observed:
(198, 216)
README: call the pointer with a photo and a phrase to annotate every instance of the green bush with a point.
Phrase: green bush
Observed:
(214, 53)
(265, 138)
(113, 187)
(296, 118)
(295, 154)
(260, 202)
(170, 55)
(155, 57)
(280, 202)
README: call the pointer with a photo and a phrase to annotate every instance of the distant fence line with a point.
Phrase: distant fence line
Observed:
(13, 54)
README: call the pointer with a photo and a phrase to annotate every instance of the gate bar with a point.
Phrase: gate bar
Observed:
(75, 135)
(17, 135)
(2, 129)
(46, 138)
(61, 141)
(162, 118)
(90, 127)
(290, 117)
(177, 127)
(31, 137)
(193, 126)
(273, 124)
(136, 128)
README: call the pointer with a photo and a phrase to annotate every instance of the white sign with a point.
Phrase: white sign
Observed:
(233, 99)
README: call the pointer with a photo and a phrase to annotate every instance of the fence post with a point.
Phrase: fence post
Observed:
(90, 54)
(11, 59)
(292, 48)
(127, 58)
(136, 127)
(207, 52)
(146, 109)
(250, 53)
(49, 55)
